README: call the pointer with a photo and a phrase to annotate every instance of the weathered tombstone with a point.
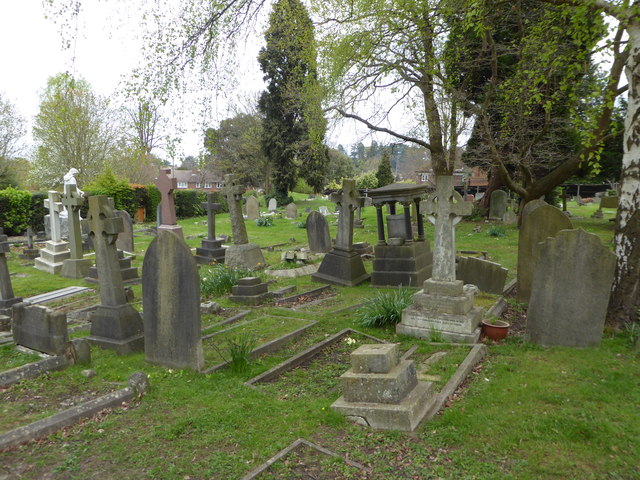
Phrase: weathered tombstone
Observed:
(323, 210)
(318, 233)
(532, 206)
(241, 254)
(291, 211)
(55, 251)
(171, 304)
(253, 208)
(250, 291)
(510, 217)
(498, 204)
(166, 185)
(342, 265)
(29, 253)
(542, 222)
(609, 202)
(40, 328)
(115, 324)
(76, 266)
(125, 238)
(211, 250)
(487, 276)
(7, 298)
(570, 292)
(273, 205)
(443, 305)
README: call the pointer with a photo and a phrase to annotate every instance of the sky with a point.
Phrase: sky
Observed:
(104, 53)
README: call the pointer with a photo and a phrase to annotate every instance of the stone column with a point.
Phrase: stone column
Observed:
(380, 220)
(407, 221)
(420, 221)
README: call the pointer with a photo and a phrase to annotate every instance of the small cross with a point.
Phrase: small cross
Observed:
(55, 207)
(166, 185)
(212, 209)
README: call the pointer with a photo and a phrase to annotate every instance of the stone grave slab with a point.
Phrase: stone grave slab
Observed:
(291, 211)
(498, 204)
(488, 276)
(318, 233)
(273, 205)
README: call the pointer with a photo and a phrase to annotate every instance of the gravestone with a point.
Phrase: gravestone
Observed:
(570, 290)
(323, 210)
(540, 223)
(609, 202)
(241, 254)
(76, 266)
(318, 233)
(443, 305)
(29, 252)
(488, 276)
(211, 250)
(253, 208)
(125, 238)
(115, 324)
(342, 265)
(166, 185)
(250, 291)
(7, 298)
(498, 204)
(532, 206)
(55, 251)
(40, 328)
(291, 211)
(273, 205)
(171, 304)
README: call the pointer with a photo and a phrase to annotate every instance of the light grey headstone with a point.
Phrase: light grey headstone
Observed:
(253, 208)
(291, 211)
(570, 292)
(487, 276)
(125, 238)
(323, 210)
(273, 205)
(498, 204)
(318, 233)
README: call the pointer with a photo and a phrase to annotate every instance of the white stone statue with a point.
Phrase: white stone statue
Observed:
(70, 179)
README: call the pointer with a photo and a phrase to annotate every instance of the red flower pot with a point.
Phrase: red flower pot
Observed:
(496, 330)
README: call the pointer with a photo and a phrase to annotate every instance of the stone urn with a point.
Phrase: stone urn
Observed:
(494, 329)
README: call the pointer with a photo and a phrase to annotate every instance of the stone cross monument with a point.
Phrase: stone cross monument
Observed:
(55, 251)
(7, 298)
(342, 265)
(211, 250)
(166, 185)
(115, 325)
(76, 266)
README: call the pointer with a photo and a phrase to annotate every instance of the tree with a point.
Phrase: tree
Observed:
(12, 129)
(340, 166)
(74, 129)
(294, 125)
(384, 173)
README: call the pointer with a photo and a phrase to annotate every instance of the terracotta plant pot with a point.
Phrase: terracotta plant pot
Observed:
(496, 330)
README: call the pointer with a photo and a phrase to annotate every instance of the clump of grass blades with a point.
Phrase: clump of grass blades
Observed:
(264, 222)
(240, 350)
(496, 231)
(385, 308)
(217, 280)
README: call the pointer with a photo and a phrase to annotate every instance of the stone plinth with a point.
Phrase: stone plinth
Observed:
(408, 264)
(341, 267)
(443, 308)
(39, 328)
(250, 291)
(52, 256)
(383, 392)
(247, 256)
(211, 251)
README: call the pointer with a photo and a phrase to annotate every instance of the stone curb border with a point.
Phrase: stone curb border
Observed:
(302, 357)
(294, 272)
(310, 293)
(270, 346)
(34, 369)
(282, 453)
(138, 384)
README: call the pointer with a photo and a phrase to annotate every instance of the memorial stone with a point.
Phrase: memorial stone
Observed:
(318, 233)
(211, 250)
(570, 290)
(125, 238)
(29, 252)
(55, 251)
(498, 204)
(250, 291)
(609, 202)
(40, 328)
(273, 205)
(76, 266)
(171, 304)
(323, 210)
(488, 276)
(291, 211)
(253, 208)
(166, 185)
(7, 297)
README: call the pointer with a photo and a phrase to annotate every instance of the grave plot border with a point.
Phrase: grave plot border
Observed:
(304, 356)
(232, 319)
(253, 474)
(270, 346)
(138, 384)
(309, 293)
(294, 272)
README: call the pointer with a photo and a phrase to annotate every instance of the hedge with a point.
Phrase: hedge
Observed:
(14, 210)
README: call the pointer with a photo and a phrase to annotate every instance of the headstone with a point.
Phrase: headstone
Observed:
(532, 206)
(40, 328)
(291, 211)
(241, 254)
(115, 324)
(171, 304)
(609, 202)
(570, 291)
(76, 266)
(125, 238)
(318, 233)
(342, 265)
(166, 185)
(253, 208)
(273, 205)
(488, 276)
(542, 222)
(323, 210)
(29, 253)
(469, 198)
(7, 298)
(55, 251)
(498, 204)
(211, 250)
(250, 291)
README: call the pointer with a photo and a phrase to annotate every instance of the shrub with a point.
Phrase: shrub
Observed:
(281, 199)
(218, 279)
(188, 203)
(367, 180)
(302, 187)
(264, 222)
(14, 210)
(385, 309)
(108, 184)
(302, 224)
(496, 231)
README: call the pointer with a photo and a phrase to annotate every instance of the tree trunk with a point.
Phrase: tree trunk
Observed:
(625, 294)
(495, 182)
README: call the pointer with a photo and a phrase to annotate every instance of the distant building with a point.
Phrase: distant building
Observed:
(197, 180)
(477, 178)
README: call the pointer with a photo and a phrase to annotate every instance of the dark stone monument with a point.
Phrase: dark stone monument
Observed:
(76, 266)
(40, 328)
(211, 250)
(570, 291)
(250, 291)
(55, 251)
(171, 304)
(7, 298)
(318, 233)
(498, 204)
(487, 276)
(115, 324)
(125, 239)
(400, 260)
(166, 185)
(342, 265)
(29, 253)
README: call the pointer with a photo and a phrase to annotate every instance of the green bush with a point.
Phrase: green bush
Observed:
(281, 199)
(154, 201)
(302, 187)
(385, 309)
(217, 280)
(37, 212)
(496, 231)
(108, 184)
(188, 203)
(14, 210)
(264, 222)
(367, 180)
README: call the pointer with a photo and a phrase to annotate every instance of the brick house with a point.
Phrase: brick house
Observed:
(197, 180)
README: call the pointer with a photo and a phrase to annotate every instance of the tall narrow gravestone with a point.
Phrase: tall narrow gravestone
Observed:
(211, 250)
(498, 204)
(55, 251)
(318, 233)
(166, 185)
(76, 266)
(115, 324)
(241, 254)
(7, 298)
(570, 292)
(343, 265)
(171, 304)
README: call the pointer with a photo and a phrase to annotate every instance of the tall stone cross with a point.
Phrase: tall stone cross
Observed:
(233, 193)
(55, 207)
(445, 208)
(73, 201)
(166, 185)
(212, 209)
(348, 200)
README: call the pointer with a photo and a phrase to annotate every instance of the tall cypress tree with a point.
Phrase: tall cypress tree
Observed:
(384, 173)
(294, 125)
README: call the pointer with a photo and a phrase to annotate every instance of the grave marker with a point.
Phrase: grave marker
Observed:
(318, 233)
(498, 204)
(76, 266)
(291, 211)
(253, 208)
(211, 250)
(7, 298)
(166, 185)
(55, 251)
(273, 205)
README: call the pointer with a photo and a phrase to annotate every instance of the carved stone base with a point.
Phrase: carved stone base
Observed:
(247, 256)
(210, 252)
(407, 265)
(117, 328)
(340, 267)
(75, 268)
(52, 256)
